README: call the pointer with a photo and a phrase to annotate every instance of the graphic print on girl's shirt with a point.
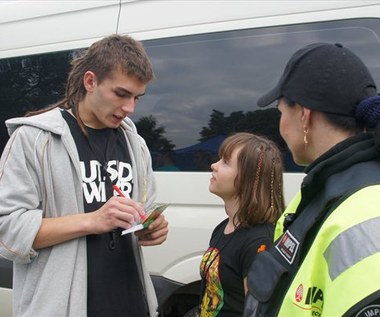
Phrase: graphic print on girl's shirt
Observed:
(212, 301)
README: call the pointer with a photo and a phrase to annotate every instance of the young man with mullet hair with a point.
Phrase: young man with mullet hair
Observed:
(60, 218)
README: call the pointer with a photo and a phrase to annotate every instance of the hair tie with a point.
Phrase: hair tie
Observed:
(368, 111)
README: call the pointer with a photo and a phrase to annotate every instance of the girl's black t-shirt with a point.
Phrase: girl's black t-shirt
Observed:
(225, 264)
(114, 286)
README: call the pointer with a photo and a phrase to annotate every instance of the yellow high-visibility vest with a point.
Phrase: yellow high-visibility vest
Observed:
(342, 266)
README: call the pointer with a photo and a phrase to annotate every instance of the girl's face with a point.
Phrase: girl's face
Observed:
(224, 172)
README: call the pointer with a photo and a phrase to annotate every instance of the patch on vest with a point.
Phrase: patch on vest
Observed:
(309, 299)
(369, 311)
(288, 246)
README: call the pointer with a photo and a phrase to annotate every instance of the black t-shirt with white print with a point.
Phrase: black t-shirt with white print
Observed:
(114, 287)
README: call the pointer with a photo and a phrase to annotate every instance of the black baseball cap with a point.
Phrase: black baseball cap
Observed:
(323, 77)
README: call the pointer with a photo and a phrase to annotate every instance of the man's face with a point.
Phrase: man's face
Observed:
(106, 104)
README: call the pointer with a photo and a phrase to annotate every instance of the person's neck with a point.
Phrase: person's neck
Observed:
(83, 115)
(323, 138)
(231, 208)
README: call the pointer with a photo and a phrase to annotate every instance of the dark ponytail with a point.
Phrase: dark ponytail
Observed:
(367, 113)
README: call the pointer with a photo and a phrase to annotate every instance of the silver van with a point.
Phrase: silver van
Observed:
(212, 60)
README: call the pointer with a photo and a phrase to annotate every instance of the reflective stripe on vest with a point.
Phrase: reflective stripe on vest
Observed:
(365, 234)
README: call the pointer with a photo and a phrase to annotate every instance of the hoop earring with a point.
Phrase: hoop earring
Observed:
(305, 141)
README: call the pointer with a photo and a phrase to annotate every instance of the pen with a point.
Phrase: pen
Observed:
(118, 190)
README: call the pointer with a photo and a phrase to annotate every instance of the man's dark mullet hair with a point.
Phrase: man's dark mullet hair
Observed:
(102, 58)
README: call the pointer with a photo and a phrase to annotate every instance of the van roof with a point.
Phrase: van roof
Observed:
(31, 27)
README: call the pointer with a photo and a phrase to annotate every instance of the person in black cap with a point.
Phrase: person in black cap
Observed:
(326, 255)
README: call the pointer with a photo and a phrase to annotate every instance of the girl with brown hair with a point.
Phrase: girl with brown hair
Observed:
(248, 177)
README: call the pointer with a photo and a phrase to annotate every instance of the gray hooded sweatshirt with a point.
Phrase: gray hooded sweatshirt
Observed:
(40, 178)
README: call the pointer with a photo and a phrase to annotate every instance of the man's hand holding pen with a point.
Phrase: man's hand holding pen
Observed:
(117, 212)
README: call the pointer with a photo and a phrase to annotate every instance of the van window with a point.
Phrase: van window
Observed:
(207, 86)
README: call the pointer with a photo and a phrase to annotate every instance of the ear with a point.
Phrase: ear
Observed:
(306, 117)
(89, 80)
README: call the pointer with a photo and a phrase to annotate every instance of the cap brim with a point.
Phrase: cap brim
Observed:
(270, 97)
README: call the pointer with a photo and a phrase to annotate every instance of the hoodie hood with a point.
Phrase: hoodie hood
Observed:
(51, 121)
